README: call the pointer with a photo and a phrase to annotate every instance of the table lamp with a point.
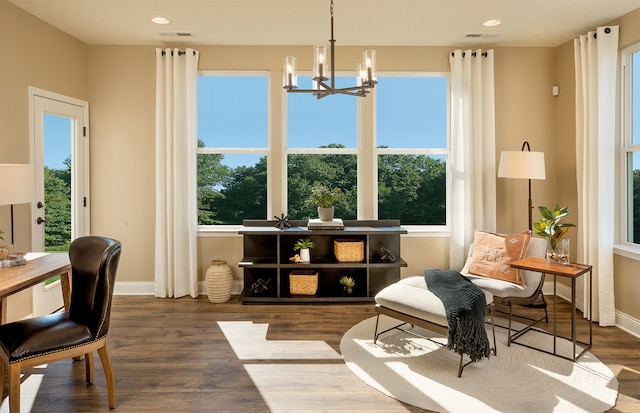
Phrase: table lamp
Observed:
(523, 165)
(17, 187)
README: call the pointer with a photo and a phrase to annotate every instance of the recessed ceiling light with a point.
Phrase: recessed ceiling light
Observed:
(492, 22)
(160, 20)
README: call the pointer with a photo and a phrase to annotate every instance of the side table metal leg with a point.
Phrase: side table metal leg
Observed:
(573, 317)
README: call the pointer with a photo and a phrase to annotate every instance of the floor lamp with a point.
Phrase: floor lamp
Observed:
(523, 165)
(17, 188)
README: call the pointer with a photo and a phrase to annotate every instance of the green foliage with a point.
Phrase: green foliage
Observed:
(636, 206)
(303, 243)
(324, 197)
(57, 198)
(411, 188)
(549, 225)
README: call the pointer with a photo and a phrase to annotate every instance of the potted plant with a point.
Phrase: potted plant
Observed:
(304, 245)
(348, 283)
(324, 197)
(549, 226)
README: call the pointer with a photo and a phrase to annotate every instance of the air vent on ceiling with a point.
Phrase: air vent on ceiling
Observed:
(484, 35)
(176, 34)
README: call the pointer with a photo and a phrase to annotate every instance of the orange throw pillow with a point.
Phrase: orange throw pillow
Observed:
(492, 254)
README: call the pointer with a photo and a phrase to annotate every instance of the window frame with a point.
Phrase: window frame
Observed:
(242, 151)
(447, 152)
(627, 147)
(287, 150)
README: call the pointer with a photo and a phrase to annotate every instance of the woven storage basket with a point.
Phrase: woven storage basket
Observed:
(348, 249)
(303, 282)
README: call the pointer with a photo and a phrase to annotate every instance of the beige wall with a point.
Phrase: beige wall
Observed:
(31, 54)
(118, 81)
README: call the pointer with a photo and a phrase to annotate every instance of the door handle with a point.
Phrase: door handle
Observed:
(40, 221)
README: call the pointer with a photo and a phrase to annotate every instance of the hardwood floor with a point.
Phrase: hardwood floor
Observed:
(189, 355)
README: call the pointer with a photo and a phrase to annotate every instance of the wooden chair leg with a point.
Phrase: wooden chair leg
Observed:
(14, 387)
(108, 374)
(88, 366)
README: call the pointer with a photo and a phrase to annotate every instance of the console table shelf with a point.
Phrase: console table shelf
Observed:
(267, 267)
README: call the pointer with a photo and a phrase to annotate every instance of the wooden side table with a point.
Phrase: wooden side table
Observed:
(572, 271)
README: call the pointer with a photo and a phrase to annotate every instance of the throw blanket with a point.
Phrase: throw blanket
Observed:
(465, 306)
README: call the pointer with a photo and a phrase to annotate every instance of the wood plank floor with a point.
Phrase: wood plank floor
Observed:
(186, 355)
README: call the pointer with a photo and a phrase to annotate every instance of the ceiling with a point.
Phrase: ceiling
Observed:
(306, 22)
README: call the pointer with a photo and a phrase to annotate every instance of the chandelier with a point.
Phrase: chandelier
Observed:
(366, 74)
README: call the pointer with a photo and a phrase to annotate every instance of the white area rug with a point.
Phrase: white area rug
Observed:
(421, 373)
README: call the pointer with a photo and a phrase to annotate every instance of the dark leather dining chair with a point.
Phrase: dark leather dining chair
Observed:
(73, 333)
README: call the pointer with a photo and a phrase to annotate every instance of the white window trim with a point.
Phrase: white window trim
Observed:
(207, 230)
(623, 246)
(419, 230)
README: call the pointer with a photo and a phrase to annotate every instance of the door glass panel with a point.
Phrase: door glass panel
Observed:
(57, 182)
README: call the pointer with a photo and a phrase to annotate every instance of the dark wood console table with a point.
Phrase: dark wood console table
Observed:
(267, 267)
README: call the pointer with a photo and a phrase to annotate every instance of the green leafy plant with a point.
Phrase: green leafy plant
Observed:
(303, 243)
(348, 282)
(323, 196)
(549, 225)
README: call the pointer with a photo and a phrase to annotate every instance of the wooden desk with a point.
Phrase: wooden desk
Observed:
(572, 271)
(37, 270)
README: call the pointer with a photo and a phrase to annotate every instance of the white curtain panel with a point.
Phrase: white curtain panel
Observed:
(596, 59)
(176, 197)
(473, 164)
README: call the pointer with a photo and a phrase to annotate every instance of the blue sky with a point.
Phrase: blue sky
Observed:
(57, 140)
(232, 113)
(408, 111)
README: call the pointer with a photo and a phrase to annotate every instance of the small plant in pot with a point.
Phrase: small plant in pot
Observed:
(324, 198)
(304, 245)
(549, 226)
(348, 283)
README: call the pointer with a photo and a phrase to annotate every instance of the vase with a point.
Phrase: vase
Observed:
(558, 250)
(218, 281)
(325, 213)
(305, 254)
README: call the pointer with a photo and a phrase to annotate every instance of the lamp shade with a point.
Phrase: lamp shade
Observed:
(522, 165)
(17, 186)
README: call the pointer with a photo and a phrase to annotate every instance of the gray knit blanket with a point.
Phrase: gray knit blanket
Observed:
(465, 307)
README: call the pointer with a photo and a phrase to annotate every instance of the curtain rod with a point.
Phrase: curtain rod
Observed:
(180, 53)
(484, 54)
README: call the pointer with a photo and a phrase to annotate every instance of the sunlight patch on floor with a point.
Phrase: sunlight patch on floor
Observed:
(249, 341)
(28, 391)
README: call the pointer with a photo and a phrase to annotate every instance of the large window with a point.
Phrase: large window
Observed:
(388, 152)
(412, 148)
(631, 143)
(232, 147)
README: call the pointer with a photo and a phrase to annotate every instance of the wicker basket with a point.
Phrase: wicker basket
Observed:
(303, 282)
(348, 249)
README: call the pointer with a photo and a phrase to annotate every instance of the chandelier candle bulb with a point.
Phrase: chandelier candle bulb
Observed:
(369, 60)
(320, 52)
(290, 70)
